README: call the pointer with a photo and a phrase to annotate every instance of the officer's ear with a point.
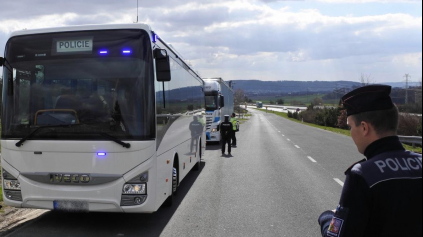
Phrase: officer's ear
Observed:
(366, 128)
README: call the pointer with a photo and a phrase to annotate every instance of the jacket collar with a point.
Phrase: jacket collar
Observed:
(383, 145)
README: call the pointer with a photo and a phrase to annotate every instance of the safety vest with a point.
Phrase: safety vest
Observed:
(235, 124)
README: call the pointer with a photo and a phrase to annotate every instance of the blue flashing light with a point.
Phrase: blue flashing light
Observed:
(126, 51)
(103, 52)
(155, 38)
(101, 153)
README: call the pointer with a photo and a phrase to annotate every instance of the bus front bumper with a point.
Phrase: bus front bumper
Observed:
(106, 197)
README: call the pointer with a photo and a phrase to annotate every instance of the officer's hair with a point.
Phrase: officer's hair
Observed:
(382, 120)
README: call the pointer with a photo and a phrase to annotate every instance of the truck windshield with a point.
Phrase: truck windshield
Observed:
(211, 103)
(102, 79)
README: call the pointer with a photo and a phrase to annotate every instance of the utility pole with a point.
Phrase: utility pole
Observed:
(406, 87)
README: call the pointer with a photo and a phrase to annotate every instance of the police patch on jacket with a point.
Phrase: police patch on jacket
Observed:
(335, 227)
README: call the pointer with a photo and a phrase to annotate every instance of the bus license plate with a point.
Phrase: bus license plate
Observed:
(71, 206)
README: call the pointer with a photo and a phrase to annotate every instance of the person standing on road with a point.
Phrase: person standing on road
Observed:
(226, 130)
(234, 125)
(382, 195)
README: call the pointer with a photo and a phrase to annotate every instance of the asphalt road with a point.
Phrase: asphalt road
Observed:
(280, 178)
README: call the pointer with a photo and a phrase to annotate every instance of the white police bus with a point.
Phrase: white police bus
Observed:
(97, 118)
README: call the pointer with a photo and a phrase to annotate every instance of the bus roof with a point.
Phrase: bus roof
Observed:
(82, 28)
(102, 27)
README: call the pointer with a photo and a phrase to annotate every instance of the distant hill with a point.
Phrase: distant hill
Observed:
(402, 84)
(287, 87)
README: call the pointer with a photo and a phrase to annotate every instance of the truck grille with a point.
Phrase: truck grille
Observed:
(209, 122)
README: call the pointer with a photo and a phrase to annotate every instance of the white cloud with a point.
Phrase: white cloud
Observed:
(347, 1)
(241, 39)
(369, 1)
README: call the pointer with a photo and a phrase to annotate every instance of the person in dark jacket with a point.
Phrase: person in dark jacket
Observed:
(226, 130)
(382, 195)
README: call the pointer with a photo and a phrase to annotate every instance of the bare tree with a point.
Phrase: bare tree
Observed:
(239, 99)
(366, 80)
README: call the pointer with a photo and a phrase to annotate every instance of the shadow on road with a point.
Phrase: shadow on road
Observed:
(53, 224)
(215, 146)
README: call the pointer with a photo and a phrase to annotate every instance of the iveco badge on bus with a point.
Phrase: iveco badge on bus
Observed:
(74, 45)
(69, 178)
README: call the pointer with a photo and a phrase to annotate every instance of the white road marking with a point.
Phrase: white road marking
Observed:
(312, 160)
(339, 182)
(297, 146)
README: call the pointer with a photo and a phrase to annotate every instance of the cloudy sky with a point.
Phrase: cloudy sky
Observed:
(257, 39)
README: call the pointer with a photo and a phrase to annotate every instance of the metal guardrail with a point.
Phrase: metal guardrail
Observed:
(287, 108)
(411, 140)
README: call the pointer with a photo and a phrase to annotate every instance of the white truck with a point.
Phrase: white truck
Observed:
(219, 102)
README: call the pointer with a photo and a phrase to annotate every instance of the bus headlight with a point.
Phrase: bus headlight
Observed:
(134, 189)
(134, 192)
(11, 184)
(9, 181)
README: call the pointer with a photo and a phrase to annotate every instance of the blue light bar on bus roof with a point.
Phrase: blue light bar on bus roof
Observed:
(126, 51)
(103, 52)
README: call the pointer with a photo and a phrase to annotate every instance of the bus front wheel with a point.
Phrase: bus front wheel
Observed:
(169, 201)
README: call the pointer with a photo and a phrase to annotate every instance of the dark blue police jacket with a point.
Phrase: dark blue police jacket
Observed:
(382, 195)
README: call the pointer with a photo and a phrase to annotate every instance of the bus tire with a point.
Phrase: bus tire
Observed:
(175, 181)
(169, 200)
(198, 165)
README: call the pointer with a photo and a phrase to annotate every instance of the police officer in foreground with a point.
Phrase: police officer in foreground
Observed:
(382, 195)
(226, 131)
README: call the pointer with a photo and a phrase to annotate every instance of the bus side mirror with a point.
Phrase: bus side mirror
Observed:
(2, 60)
(222, 101)
(162, 65)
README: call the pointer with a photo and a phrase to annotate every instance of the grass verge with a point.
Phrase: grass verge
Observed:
(1, 186)
(335, 130)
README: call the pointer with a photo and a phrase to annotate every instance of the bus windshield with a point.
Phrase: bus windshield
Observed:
(101, 80)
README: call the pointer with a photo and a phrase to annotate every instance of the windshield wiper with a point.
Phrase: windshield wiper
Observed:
(19, 144)
(126, 145)
(110, 137)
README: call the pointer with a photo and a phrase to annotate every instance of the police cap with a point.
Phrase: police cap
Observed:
(367, 98)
